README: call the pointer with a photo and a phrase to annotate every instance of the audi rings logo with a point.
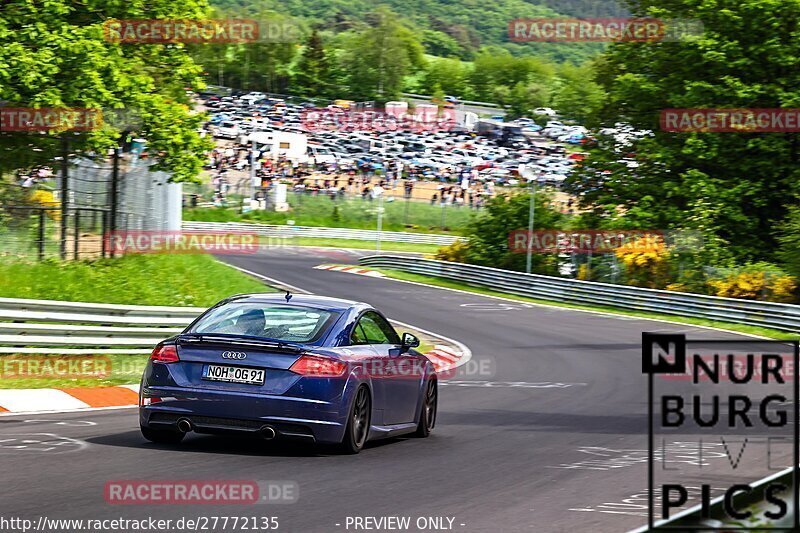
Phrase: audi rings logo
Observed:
(233, 355)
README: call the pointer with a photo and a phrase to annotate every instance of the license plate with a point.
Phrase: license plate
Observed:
(234, 374)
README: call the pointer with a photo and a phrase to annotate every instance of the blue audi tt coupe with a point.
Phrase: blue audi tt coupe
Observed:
(289, 367)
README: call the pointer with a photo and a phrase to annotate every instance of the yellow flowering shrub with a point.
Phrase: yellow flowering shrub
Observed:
(646, 262)
(756, 285)
(456, 252)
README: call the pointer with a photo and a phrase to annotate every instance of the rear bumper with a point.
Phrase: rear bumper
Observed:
(227, 412)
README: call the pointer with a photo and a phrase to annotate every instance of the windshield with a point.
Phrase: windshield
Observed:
(278, 322)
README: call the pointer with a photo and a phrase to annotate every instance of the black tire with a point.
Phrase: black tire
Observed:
(162, 436)
(427, 417)
(357, 430)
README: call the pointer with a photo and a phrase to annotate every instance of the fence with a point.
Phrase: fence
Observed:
(337, 203)
(67, 219)
(765, 314)
(145, 200)
(288, 232)
(35, 232)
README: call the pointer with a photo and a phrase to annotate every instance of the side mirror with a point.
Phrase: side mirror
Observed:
(409, 341)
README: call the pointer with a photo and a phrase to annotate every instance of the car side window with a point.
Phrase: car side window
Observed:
(358, 336)
(377, 329)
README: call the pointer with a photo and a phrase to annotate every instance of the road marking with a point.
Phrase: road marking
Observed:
(492, 306)
(512, 384)
(33, 442)
(605, 459)
(71, 423)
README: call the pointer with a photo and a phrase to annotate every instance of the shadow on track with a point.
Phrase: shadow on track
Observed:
(230, 445)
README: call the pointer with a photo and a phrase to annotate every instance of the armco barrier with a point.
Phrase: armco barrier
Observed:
(767, 314)
(55, 327)
(51, 326)
(285, 231)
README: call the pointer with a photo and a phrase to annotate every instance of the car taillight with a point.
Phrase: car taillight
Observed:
(318, 366)
(165, 353)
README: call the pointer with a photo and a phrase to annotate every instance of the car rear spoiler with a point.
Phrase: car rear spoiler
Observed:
(245, 340)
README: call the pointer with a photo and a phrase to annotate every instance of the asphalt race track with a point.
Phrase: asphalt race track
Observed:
(553, 437)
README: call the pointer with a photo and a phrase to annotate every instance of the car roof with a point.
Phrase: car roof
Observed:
(305, 300)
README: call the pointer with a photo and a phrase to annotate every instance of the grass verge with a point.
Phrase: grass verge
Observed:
(320, 210)
(450, 284)
(146, 279)
(177, 280)
(386, 246)
(48, 371)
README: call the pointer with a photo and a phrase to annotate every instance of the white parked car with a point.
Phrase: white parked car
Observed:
(259, 124)
(320, 155)
(227, 130)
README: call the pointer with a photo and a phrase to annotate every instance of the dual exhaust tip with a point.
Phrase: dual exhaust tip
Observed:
(265, 432)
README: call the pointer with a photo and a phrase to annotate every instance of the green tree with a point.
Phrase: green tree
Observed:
(496, 67)
(579, 97)
(379, 58)
(449, 74)
(734, 187)
(788, 237)
(54, 54)
(313, 76)
(489, 233)
(264, 65)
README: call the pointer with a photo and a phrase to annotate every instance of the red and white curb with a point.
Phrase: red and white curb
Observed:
(351, 270)
(14, 401)
(444, 358)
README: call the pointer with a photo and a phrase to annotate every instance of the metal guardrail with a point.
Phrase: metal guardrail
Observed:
(766, 314)
(15, 304)
(56, 327)
(80, 328)
(283, 232)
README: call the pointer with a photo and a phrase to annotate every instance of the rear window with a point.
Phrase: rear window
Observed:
(277, 322)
